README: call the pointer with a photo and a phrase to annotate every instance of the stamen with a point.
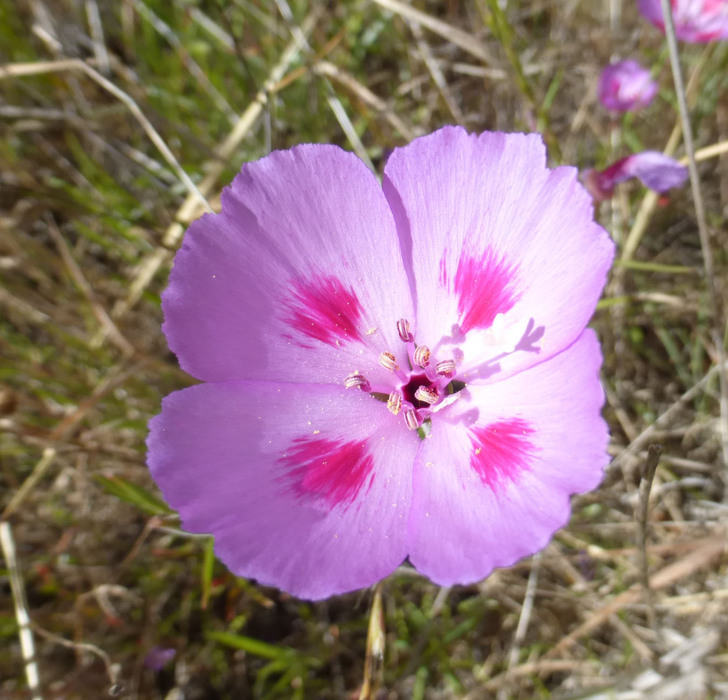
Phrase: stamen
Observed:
(422, 356)
(427, 395)
(411, 420)
(388, 361)
(394, 402)
(403, 328)
(357, 380)
(445, 368)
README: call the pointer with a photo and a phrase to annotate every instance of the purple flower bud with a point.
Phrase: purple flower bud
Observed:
(696, 21)
(626, 86)
(652, 168)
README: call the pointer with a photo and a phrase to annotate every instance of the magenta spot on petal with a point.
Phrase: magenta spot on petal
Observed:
(325, 310)
(444, 282)
(485, 288)
(501, 451)
(327, 469)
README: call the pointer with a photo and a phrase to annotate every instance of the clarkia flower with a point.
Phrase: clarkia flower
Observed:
(626, 86)
(390, 372)
(652, 168)
(696, 21)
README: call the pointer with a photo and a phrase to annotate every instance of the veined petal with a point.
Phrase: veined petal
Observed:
(494, 486)
(491, 236)
(304, 487)
(299, 278)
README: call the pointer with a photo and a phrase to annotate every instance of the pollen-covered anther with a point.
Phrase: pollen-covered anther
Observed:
(427, 394)
(422, 356)
(357, 380)
(388, 361)
(394, 402)
(411, 420)
(445, 368)
(403, 328)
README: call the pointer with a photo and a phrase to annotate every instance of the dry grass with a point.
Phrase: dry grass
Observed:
(118, 119)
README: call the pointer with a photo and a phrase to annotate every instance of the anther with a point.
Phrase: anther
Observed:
(422, 356)
(411, 420)
(445, 368)
(388, 361)
(427, 394)
(403, 328)
(357, 380)
(394, 402)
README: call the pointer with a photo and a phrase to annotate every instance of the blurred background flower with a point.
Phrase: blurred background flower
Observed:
(696, 21)
(652, 168)
(626, 86)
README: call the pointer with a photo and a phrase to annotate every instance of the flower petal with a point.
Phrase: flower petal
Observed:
(696, 21)
(491, 236)
(304, 487)
(654, 170)
(299, 278)
(652, 11)
(495, 486)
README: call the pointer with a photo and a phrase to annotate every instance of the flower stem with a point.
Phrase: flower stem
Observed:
(716, 330)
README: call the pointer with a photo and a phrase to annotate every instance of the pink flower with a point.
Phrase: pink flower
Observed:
(696, 21)
(626, 86)
(389, 372)
(652, 168)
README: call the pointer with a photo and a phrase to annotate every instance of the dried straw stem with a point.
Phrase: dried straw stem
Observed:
(27, 646)
(715, 306)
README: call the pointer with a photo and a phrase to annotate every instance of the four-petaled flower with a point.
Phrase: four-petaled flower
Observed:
(390, 372)
(696, 21)
(626, 86)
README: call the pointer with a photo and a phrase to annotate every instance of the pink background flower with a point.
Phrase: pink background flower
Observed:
(335, 323)
(696, 21)
(652, 168)
(625, 86)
